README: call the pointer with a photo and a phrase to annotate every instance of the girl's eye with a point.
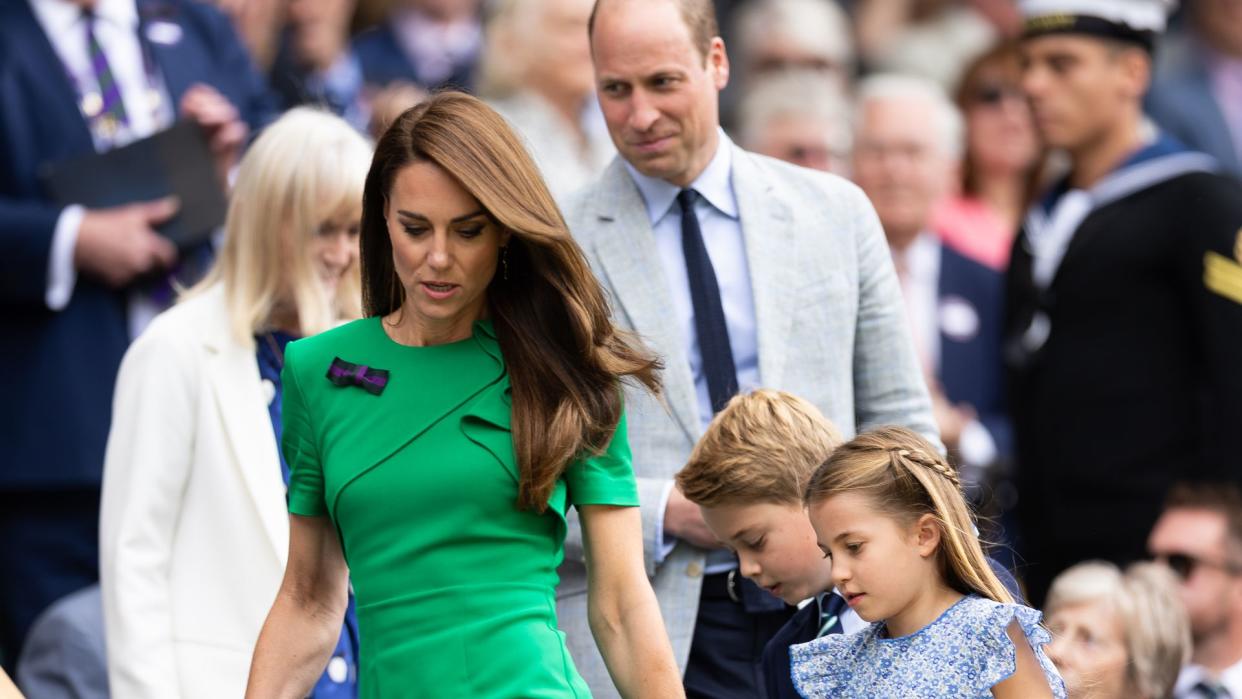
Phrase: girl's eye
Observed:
(853, 548)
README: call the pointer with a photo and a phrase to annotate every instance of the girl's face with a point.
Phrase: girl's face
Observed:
(1088, 647)
(881, 565)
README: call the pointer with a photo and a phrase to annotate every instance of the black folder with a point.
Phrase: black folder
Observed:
(175, 161)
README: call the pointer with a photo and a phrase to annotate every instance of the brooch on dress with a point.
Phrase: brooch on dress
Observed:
(343, 373)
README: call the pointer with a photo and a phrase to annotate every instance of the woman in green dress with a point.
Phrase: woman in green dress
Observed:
(437, 444)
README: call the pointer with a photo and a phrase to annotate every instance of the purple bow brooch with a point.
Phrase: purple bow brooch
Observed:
(342, 373)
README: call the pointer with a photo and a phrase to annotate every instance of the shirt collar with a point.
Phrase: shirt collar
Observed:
(715, 184)
(921, 257)
(63, 16)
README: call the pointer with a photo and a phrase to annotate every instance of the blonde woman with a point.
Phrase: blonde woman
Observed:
(1117, 634)
(193, 532)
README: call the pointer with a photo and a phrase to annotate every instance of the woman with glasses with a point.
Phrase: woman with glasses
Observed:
(1002, 165)
(1117, 634)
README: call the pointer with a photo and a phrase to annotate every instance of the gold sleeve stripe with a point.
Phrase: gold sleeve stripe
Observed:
(1223, 276)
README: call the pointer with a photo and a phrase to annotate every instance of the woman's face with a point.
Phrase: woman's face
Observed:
(1000, 128)
(445, 247)
(1088, 647)
(334, 249)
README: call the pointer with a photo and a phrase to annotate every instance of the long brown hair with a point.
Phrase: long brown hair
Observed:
(564, 357)
(904, 476)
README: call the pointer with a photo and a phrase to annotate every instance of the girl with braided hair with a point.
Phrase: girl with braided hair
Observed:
(888, 511)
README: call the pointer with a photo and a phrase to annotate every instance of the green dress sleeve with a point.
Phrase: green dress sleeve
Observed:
(607, 479)
(298, 443)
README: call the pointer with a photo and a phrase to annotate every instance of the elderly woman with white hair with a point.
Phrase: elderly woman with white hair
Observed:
(799, 118)
(1117, 634)
(536, 71)
(193, 529)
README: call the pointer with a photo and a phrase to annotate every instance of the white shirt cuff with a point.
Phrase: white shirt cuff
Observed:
(976, 445)
(664, 544)
(62, 275)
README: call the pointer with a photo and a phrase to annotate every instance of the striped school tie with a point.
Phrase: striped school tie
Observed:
(105, 109)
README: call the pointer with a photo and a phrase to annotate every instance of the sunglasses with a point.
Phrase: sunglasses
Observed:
(996, 93)
(1184, 565)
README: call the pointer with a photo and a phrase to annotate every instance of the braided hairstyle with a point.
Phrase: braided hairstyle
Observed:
(905, 476)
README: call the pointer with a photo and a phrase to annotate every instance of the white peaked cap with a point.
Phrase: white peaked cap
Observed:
(1139, 15)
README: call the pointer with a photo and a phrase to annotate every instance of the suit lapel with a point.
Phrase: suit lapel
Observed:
(626, 250)
(56, 93)
(177, 66)
(240, 400)
(772, 258)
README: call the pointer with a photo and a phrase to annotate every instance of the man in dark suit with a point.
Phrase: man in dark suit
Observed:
(908, 143)
(75, 78)
(430, 43)
(1124, 299)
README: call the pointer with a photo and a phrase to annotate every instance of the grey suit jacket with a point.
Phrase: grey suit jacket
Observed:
(64, 653)
(831, 328)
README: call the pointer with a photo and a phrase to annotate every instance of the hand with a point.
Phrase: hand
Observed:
(119, 244)
(951, 419)
(684, 520)
(226, 132)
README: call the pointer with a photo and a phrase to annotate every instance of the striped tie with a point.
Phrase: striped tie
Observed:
(107, 113)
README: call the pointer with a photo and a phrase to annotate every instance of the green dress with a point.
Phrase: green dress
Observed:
(455, 587)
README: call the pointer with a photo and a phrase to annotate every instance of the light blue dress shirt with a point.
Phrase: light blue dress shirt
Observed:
(721, 226)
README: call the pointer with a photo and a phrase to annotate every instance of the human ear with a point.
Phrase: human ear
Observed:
(719, 60)
(927, 535)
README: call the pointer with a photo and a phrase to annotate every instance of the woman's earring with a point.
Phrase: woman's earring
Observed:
(504, 262)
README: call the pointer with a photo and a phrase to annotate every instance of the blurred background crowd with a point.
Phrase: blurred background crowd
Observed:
(921, 103)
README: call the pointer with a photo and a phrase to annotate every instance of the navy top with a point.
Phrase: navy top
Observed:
(340, 678)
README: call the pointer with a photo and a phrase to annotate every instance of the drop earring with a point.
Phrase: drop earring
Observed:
(504, 262)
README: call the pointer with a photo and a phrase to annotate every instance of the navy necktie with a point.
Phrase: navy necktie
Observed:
(831, 609)
(709, 318)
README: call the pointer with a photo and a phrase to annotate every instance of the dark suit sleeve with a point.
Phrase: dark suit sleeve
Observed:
(25, 244)
(1209, 213)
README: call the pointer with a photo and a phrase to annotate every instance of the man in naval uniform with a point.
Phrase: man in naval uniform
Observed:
(1124, 298)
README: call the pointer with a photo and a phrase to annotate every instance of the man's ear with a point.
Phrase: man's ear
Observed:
(718, 61)
(927, 534)
(1136, 68)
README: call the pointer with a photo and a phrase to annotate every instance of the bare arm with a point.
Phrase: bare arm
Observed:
(305, 621)
(623, 613)
(1027, 680)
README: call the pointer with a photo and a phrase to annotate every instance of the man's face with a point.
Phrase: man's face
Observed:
(1220, 21)
(659, 95)
(1080, 87)
(804, 139)
(901, 165)
(775, 546)
(1194, 543)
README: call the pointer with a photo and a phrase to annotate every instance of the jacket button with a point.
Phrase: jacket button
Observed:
(694, 570)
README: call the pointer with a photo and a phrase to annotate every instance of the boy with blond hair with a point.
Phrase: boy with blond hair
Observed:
(748, 474)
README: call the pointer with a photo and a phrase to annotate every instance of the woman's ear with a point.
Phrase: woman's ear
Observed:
(927, 535)
(505, 235)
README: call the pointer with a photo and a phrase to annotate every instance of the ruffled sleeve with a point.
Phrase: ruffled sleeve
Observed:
(999, 655)
(827, 666)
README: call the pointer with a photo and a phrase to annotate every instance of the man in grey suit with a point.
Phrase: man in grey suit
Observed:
(741, 271)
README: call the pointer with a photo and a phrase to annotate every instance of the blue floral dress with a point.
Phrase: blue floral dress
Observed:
(964, 653)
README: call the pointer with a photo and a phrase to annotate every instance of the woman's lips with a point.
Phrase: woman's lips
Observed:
(439, 291)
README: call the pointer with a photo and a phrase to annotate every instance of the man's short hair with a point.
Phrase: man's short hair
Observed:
(950, 127)
(762, 448)
(1224, 499)
(699, 16)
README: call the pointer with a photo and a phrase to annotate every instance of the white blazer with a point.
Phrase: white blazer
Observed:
(193, 527)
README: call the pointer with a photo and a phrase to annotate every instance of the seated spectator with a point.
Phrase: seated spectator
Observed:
(64, 657)
(1001, 166)
(907, 145)
(315, 64)
(798, 118)
(775, 36)
(193, 526)
(1199, 536)
(536, 71)
(1197, 92)
(934, 39)
(431, 43)
(1117, 635)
